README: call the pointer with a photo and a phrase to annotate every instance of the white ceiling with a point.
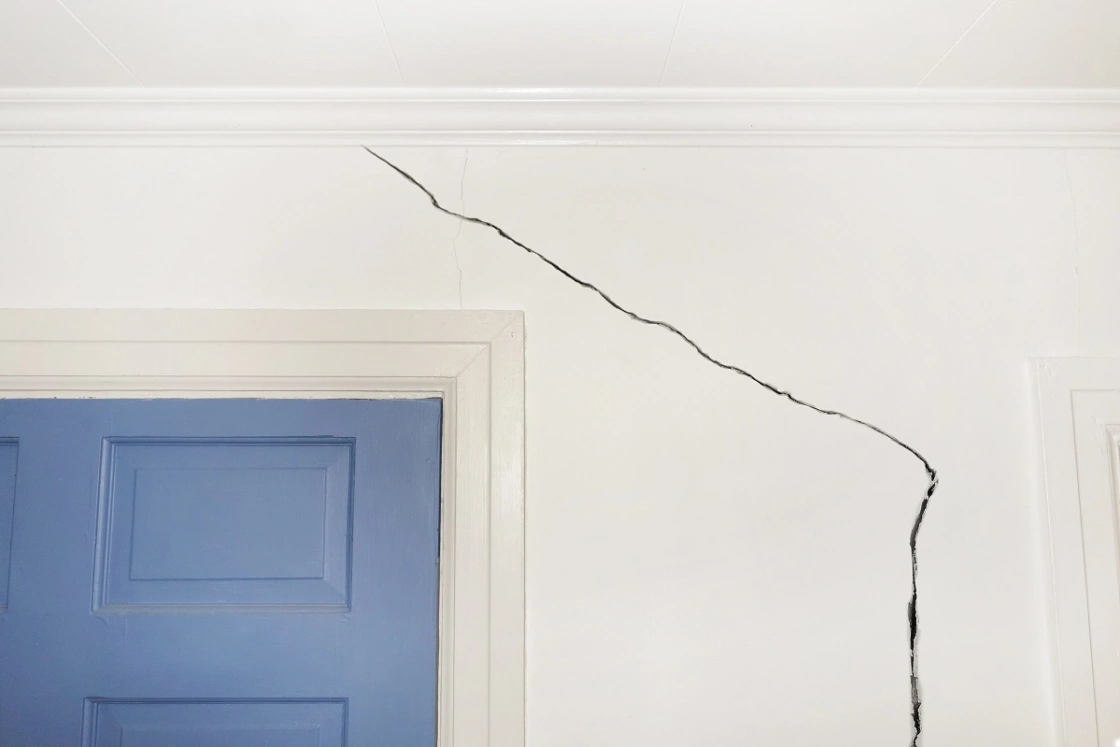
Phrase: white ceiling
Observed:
(603, 43)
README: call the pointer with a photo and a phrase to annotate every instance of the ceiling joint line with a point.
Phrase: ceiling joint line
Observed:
(100, 43)
(672, 43)
(388, 40)
(960, 39)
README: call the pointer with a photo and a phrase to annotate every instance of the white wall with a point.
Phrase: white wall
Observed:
(708, 564)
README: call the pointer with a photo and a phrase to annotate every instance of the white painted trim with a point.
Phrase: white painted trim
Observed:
(474, 360)
(1060, 382)
(919, 117)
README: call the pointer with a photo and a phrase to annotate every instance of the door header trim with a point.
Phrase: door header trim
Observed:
(474, 360)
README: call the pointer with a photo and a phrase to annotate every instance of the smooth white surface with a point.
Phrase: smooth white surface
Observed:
(706, 564)
(472, 360)
(611, 43)
(625, 116)
(1080, 414)
(248, 42)
(530, 42)
(814, 42)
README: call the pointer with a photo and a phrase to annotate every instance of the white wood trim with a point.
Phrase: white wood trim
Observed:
(915, 117)
(473, 360)
(1061, 384)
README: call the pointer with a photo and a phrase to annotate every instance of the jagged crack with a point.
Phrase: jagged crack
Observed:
(931, 473)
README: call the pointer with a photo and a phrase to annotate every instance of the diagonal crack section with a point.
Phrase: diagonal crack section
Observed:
(931, 473)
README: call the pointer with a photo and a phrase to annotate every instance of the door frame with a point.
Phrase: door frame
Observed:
(472, 360)
(1066, 386)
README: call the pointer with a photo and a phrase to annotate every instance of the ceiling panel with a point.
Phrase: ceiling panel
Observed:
(1042, 43)
(41, 44)
(246, 42)
(531, 42)
(543, 43)
(814, 42)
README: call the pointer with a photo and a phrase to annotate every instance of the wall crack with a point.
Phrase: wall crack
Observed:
(931, 473)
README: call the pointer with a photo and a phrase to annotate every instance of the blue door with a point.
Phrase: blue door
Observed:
(218, 573)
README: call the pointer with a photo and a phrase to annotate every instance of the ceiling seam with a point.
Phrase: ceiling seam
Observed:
(388, 40)
(960, 39)
(672, 43)
(99, 42)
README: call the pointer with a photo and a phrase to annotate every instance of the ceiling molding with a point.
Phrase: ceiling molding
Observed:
(1052, 118)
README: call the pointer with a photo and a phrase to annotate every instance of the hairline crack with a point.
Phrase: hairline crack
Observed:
(931, 473)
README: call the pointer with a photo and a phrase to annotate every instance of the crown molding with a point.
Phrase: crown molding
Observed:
(910, 117)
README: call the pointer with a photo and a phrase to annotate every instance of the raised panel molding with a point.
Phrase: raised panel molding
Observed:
(472, 360)
(9, 454)
(173, 518)
(229, 723)
(893, 117)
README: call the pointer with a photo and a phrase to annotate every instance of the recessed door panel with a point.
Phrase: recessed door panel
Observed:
(247, 723)
(220, 524)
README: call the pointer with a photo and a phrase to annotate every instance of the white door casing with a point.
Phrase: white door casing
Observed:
(1079, 408)
(473, 360)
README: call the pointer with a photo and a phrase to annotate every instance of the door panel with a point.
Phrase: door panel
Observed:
(305, 723)
(224, 523)
(203, 573)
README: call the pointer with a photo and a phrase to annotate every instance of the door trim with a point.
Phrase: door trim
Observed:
(1061, 383)
(473, 360)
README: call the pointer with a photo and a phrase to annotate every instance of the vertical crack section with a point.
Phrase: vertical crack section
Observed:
(931, 473)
